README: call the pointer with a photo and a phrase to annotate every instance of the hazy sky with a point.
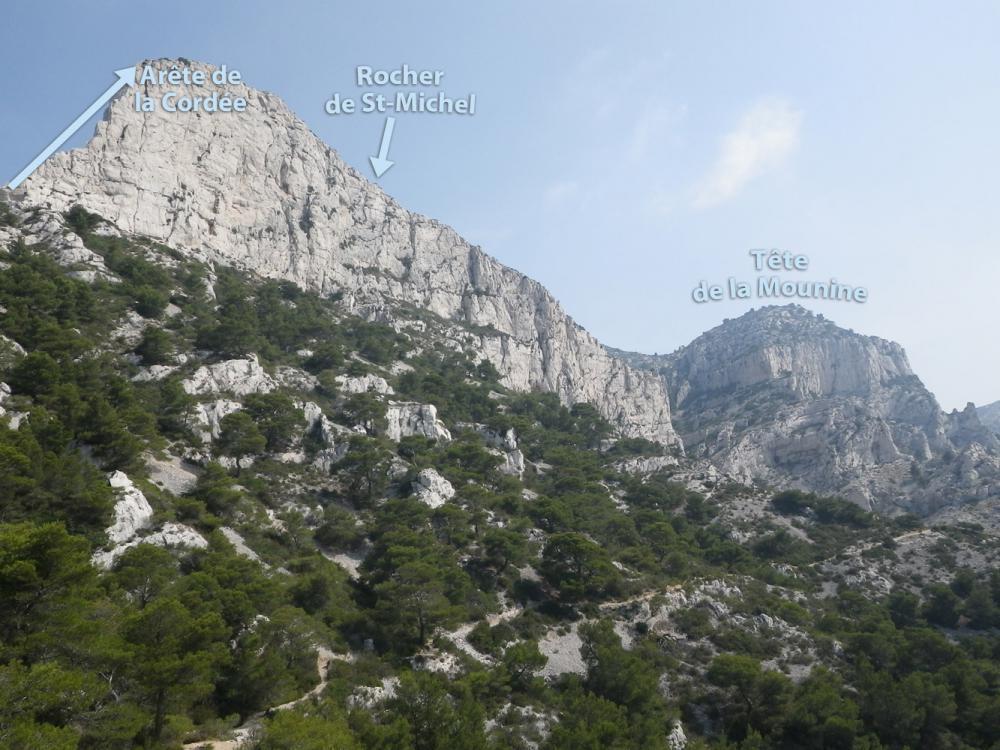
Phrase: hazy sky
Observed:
(622, 152)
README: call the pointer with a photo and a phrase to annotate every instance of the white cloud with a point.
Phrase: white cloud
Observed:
(767, 134)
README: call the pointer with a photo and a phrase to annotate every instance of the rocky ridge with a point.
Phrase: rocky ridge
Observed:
(259, 191)
(778, 395)
(783, 395)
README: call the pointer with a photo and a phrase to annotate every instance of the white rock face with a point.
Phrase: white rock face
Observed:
(369, 696)
(153, 372)
(173, 535)
(317, 422)
(133, 513)
(432, 489)
(369, 382)
(404, 419)
(349, 561)
(49, 228)
(965, 428)
(562, 652)
(677, 740)
(784, 395)
(805, 354)
(173, 474)
(130, 329)
(513, 463)
(646, 464)
(291, 457)
(132, 510)
(239, 543)
(238, 377)
(207, 417)
(261, 192)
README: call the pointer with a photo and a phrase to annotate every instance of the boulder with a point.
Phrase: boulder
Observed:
(432, 489)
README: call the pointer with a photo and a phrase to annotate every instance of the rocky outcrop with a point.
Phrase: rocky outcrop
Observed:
(407, 418)
(153, 373)
(259, 191)
(513, 463)
(173, 536)
(785, 396)
(965, 427)
(989, 415)
(561, 648)
(207, 417)
(364, 384)
(130, 329)
(318, 423)
(677, 739)
(432, 489)
(46, 227)
(176, 536)
(238, 377)
(172, 474)
(132, 511)
(326, 432)
(790, 350)
(503, 443)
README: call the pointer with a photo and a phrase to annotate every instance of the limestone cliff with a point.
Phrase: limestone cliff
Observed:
(989, 415)
(259, 191)
(784, 395)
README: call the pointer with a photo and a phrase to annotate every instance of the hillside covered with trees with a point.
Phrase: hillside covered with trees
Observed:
(357, 537)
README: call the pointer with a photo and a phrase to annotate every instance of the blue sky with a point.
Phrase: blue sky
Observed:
(622, 152)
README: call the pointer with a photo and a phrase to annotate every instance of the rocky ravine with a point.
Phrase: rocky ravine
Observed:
(259, 191)
(784, 395)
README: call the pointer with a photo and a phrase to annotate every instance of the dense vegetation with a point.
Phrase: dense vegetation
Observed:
(176, 645)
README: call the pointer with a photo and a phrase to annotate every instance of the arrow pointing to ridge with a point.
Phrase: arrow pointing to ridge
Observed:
(126, 77)
(380, 163)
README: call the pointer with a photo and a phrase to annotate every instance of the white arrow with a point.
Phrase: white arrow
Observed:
(126, 77)
(381, 162)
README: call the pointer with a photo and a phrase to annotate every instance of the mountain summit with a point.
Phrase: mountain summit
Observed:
(259, 191)
(784, 395)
